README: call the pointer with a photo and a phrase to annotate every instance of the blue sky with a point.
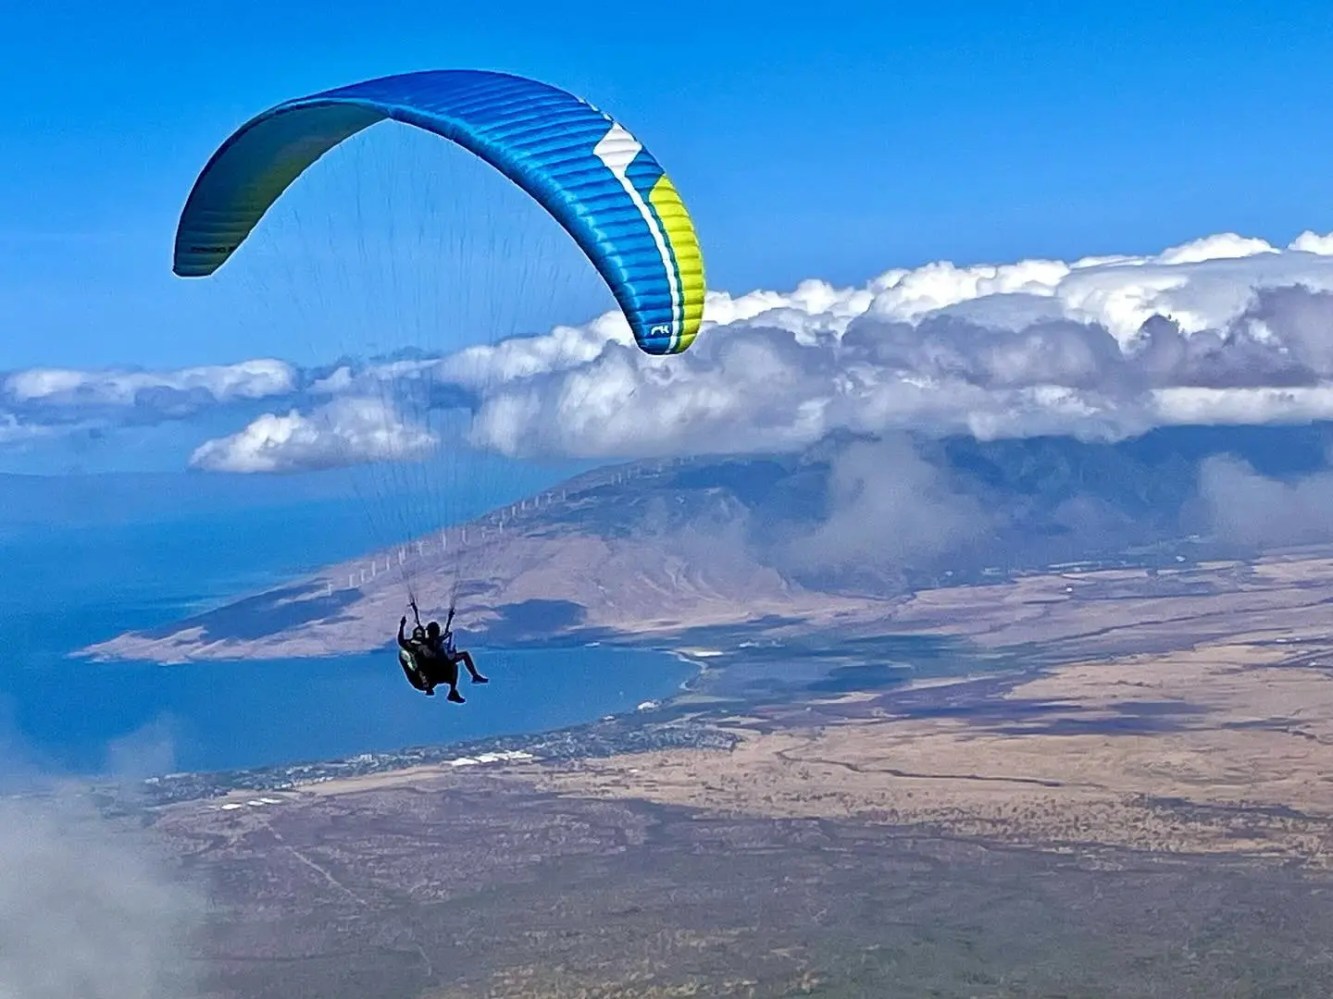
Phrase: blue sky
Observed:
(832, 142)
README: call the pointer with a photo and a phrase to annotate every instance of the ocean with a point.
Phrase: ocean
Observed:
(65, 583)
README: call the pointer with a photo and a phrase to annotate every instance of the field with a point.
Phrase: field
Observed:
(1137, 820)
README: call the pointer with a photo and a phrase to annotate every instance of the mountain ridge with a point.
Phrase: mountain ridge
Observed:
(662, 547)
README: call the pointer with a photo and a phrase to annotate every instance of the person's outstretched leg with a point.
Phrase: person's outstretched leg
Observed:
(471, 668)
(451, 678)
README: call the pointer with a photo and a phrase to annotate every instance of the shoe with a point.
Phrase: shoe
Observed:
(430, 691)
(480, 679)
(456, 697)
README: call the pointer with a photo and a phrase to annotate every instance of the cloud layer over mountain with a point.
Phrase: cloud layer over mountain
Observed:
(1223, 330)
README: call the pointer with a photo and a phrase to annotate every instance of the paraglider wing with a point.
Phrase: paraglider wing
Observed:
(585, 169)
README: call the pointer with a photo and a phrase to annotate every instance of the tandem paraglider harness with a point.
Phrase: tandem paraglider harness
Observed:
(414, 663)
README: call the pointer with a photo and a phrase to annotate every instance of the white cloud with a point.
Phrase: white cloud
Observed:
(1224, 246)
(1311, 242)
(563, 348)
(1200, 285)
(887, 506)
(1221, 329)
(340, 380)
(15, 431)
(255, 379)
(1247, 508)
(1243, 406)
(346, 431)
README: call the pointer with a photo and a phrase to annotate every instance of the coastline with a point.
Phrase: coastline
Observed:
(1030, 628)
(697, 660)
(677, 722)
(143, 718)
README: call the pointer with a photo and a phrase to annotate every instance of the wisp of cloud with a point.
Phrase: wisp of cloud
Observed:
(86, 910)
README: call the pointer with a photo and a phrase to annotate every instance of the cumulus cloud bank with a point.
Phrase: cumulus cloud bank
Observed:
(1222, 330)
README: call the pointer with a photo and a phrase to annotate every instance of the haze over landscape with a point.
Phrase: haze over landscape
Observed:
(949, 618)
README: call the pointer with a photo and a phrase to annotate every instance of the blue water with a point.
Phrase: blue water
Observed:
(64, 587)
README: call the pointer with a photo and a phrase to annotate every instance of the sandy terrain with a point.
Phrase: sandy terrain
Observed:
(1227, 748)
(480, 887)
(1284, 595)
